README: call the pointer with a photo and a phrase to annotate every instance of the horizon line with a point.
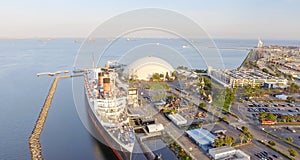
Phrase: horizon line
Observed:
(79, 37)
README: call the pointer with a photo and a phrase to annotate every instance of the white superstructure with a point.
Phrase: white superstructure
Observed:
(108, 103)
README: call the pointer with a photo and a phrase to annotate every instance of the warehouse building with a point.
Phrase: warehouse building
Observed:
(177, 119)
(203, 138)
(227, 152)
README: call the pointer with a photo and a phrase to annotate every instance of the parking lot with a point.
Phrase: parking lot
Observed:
(284, 133)
(256, 150)
(253, 109)
(266, 155)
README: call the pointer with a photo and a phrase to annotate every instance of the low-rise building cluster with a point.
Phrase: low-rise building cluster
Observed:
(236, 78)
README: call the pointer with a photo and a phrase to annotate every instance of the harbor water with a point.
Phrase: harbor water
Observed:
(22, 95)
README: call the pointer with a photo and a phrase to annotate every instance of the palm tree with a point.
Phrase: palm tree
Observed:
(242, 137)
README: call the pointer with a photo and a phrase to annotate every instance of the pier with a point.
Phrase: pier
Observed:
(34, 139)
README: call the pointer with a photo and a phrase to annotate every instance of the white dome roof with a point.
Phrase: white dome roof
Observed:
(145, 67)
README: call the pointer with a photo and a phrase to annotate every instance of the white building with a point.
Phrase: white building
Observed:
(145, 67)
(177, 119)
(227, 152)
(281, 96)
(236, 78)
(151, 128)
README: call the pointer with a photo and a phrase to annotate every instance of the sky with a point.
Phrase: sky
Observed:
(266, 19)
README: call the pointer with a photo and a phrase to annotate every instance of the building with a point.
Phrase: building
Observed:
(268, 122)
(274, 85)
(281, 96)
(151, 128)
(203, 138)
(227, 152)
(133, 96)
(259, 44)
(177, 119)
(187, 73)
(236, 78)
(144, 68)
(159, 103)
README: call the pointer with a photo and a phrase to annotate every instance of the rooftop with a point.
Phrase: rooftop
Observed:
(220, 150)
(201, 136)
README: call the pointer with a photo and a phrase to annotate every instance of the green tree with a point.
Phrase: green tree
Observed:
(224, 119)
(290, 99)
(174, 74)
(245, 129)
(218, 142)
(182, 67)
(271, 117)
(202, 105)
(293, 88)
(272, 143)
(293, 152)
(265, 70)
(167, 76)
(201, 92)
(229, 98)
(249, 136)
(242, 137)
(133, 77)
(171, 97)
(229, 140)
(290, 139)
(155, 76)
(267, 116)
(161, 75)
(263, 115)
(290, 118)
(207, 83)
(297, 118)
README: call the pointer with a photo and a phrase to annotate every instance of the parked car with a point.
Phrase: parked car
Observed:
(275, 156)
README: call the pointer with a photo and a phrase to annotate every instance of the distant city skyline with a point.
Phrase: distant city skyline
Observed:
(252, 19)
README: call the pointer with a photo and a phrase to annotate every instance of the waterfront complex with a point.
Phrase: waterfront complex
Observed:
(236, 78)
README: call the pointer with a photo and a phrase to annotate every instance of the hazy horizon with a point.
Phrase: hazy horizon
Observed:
(233, 19)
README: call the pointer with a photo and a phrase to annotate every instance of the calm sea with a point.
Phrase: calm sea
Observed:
(22, 95)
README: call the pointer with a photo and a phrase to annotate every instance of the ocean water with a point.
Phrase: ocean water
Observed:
(22, 95)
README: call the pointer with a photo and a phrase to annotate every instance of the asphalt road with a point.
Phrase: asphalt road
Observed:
(284, 133)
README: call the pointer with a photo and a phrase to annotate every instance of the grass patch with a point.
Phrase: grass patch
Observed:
(159, 96)
(158, 86)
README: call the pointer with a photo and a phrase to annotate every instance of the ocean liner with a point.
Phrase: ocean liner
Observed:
(107, 109)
